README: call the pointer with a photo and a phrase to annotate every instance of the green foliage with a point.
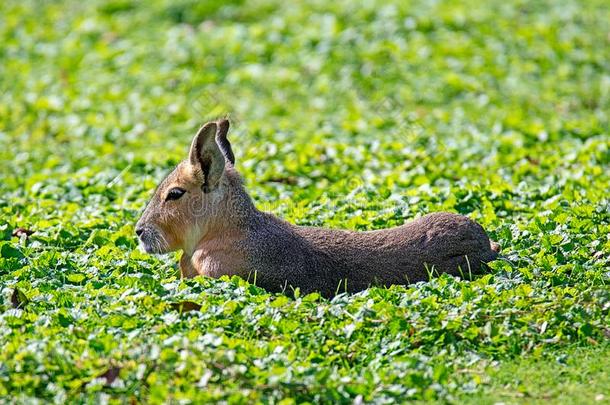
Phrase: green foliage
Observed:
(346, 114)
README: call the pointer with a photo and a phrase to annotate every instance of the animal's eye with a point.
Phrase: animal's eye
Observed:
(175, 193)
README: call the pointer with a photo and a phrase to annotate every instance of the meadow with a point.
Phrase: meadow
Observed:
(351, 114)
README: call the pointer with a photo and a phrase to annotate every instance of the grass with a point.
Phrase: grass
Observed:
(345, 114)
(577, 375)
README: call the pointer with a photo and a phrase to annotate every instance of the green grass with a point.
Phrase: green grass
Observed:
(577, 375)
(345, 114)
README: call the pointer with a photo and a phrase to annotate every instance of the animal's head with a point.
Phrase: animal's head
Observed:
(189, 201)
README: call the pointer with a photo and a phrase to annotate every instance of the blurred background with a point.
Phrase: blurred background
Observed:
(402, 99)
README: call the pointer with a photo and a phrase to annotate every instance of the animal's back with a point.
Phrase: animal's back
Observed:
(327, 260)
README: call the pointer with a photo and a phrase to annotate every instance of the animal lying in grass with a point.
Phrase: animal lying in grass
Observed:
(203, 209)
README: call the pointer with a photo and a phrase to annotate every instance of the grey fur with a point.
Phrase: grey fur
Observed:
(280, 255)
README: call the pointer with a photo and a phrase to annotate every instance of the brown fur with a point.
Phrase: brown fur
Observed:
(220, 231)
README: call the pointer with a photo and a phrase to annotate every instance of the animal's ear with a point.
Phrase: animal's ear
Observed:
(206, 156)
(223, 142)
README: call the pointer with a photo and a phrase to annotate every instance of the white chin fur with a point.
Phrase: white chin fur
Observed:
(146, 248)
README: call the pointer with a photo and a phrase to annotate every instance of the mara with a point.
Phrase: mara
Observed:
(202, 208)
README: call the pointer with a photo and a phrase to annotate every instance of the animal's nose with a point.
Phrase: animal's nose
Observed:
(139, 231)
